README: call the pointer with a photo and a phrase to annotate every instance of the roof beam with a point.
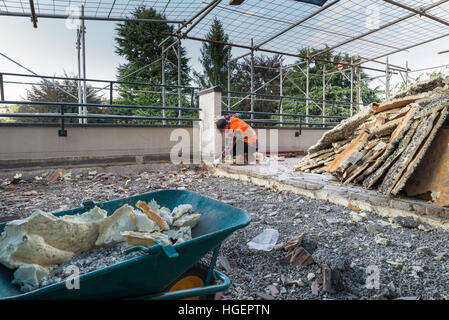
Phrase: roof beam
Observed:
(33, 14)
(185, 23)
(406, 48)
(212, 7)
(421, 12)
(344, 63)
(61, 16)
(296, 24)
(380, 28)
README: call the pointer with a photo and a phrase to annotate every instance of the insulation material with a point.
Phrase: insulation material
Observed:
(35, 244)
(383, 145)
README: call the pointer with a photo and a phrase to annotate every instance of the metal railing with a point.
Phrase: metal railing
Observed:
(185, 95)
(281, 117)
(64, 111)
(62, 115)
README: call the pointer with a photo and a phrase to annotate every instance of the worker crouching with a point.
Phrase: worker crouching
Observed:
(237, 133)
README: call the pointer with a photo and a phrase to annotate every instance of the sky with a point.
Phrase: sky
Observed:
(50, 50)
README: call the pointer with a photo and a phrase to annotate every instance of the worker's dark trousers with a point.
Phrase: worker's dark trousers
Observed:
(248, 149)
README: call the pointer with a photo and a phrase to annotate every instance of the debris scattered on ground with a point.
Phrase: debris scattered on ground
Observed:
(345, 246)
(264, 241)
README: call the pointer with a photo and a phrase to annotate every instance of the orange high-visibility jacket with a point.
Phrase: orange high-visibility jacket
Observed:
(248, 133)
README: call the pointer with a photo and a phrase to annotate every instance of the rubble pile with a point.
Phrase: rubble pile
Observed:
(382, 145)
(35, 245)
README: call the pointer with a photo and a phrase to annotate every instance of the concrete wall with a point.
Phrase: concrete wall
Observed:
(24, 146)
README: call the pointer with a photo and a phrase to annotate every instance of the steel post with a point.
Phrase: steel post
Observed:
(281, 90)
(307, 89)
(83, 34)
(80, 95)
(352, 89)
(387, 80)
(229, 80)
(163, 82)
(2, 89)
(179, 83)
(324, 93)
(252, 79)
(406, 75)
(62, 132)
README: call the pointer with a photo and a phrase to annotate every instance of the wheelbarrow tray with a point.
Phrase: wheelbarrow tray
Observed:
(148, 274)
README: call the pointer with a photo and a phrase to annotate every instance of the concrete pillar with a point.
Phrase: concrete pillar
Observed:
(210, 138)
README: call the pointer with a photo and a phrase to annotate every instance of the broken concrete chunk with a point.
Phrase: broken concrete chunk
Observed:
(379, 239)
(181, 210)
(152, 215)
(143, 223)
(181, 235)
(187, 220)
(166, 214)
(123, 219)
(406, 222)
(28, 276)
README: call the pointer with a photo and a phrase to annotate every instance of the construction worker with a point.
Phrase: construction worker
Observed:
(235, 128)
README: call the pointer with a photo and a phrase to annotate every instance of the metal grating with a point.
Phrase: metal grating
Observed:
(349, 26)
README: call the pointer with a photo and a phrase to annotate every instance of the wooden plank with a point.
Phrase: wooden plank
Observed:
(396, 170)
(342, 131)
(432, 174)
(397, 152)
(343, 159)
(394, 140)
(442, 116)
(401, 102)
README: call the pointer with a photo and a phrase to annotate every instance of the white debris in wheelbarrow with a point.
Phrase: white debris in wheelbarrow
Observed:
(38, 245)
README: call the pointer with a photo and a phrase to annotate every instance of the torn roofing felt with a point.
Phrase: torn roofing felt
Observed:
(381, 146)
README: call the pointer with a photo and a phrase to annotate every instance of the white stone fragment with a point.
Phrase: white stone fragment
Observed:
(28, 276)
(154, 205)
(181, 235)
(187, 220)
(166, 214)
(123, 219)
(143, 223)
(181, 210)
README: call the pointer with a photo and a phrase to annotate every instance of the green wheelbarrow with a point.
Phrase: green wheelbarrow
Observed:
(161, 272)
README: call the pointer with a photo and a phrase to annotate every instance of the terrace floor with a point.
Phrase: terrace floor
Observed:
(412, 261)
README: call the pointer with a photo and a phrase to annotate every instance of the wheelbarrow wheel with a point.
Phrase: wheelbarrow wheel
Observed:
(193, 278)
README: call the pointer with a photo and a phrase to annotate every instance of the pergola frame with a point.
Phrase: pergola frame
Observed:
(195, 20)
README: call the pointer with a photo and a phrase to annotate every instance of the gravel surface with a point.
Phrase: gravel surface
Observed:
(409, 260)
